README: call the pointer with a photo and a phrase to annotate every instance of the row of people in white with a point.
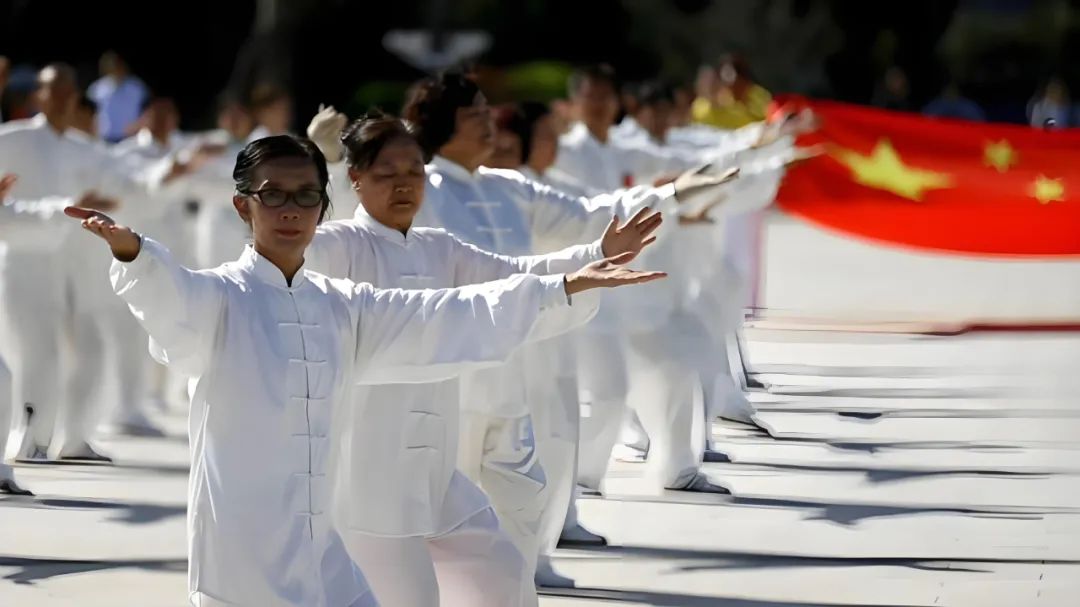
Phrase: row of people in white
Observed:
(275, 349)
(507, 213)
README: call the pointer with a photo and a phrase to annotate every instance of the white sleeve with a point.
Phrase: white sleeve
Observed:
(179, 308)
(343, 199)
(650, 162)
(430, 335)
(474, 265)
(329, 252)
(560, 218)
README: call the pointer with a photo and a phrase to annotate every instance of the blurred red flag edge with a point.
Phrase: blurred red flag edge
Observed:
(1012, 190)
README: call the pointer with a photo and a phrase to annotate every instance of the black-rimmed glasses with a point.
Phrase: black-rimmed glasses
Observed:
(273, 198)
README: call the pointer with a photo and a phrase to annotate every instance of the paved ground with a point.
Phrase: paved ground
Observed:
(897, 471)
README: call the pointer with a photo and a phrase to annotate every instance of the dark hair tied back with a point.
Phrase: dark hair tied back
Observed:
(277, 147)
(432, 108)
(365, 137)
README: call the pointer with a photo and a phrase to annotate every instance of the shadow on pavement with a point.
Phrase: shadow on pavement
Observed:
(128, 513)
(30, 570)
(666, 599)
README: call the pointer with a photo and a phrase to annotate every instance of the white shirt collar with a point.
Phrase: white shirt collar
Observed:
(263, 269)
(452, 169)
(40, 122)
(580, 134)
(367, 222)
(530, 174)
(145, 139)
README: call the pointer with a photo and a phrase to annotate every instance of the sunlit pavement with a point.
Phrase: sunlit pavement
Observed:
(897, 470)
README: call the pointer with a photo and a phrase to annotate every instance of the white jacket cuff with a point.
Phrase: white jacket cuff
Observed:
(553, 292)
(124, 273)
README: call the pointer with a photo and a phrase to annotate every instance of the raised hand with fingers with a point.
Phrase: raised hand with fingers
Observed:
(632, 236)
(802, 154)
(608, 273)
(703, 184)
(123, 241)
(325, 130)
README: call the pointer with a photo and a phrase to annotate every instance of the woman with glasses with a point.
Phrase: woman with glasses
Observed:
(275, 349)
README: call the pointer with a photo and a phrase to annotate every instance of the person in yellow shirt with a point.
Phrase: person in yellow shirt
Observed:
(727, 97)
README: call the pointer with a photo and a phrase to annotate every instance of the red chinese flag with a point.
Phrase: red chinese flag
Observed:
(942, 185)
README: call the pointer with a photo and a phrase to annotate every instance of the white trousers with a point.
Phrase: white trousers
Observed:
(85, 386)
(130, 362)
(666, 393)
(603, 384)
(557, 427)
(33, 308)
(473, 565)
(6, 400)
(499, 455)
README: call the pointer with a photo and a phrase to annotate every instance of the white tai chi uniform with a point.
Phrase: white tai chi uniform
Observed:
(602, 350)
(406, 507)
(57, 291)
(558, 428)
(503, 212)
(162, 215)
(36, 225)
(274, 365)
(666, 390)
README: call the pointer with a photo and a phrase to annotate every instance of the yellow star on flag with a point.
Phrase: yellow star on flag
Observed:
(1047, 190)
(885, 170)
(1000, 155)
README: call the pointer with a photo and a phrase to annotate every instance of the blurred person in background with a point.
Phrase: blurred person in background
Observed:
(952, 104)
(682, 113)
(85, 117)
(272, 109)
(119, 96)
(893, 92)
(219, 234)
(51, 158)
(163, 215)
(527, 141)
(1052, 107)
(27, 225)
(651, 116)
(733, 99)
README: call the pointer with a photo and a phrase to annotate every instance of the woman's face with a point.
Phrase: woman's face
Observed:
(507, 153)
(283, 230)
(474, 128)
(544, 147)
(392, 188)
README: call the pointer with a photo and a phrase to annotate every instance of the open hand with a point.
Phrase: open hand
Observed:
(608, 273)
(802, 154)
(125, 243)
(701, 180)
(632, 236)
